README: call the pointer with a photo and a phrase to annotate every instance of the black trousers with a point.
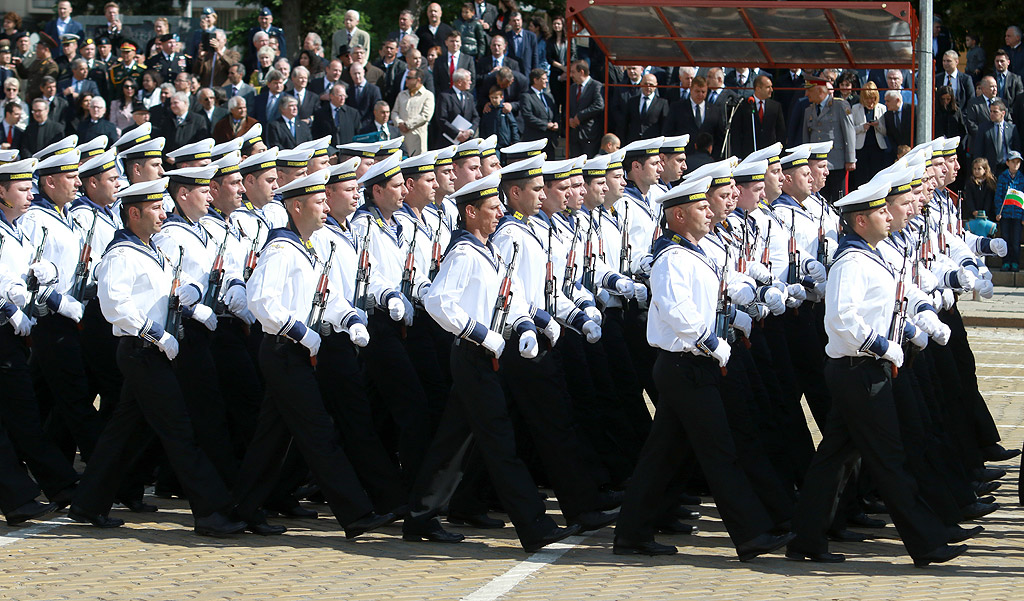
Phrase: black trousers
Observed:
(807, 353)
(20, 417)
(343, 387)
(16, 488)
(691, 420)
(477, 411)
(428, 347)
(151, 395)
(59, 372)
(293, 412)
(863, 423)
(787, 426)
(240, 380)
(984, 426)
(634, 325)
(99, 351)
(633, 409)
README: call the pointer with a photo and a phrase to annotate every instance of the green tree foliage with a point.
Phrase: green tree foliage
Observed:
(963, 16)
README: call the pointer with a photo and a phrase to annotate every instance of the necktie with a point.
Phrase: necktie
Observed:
(896, 118)
(480, 10)
(714, 96)
(234, 92)
(497, 63)
(579, 90)
(697, 117)
(643, 106)
(337, 116)
(78, 86)
(291, 126)
(180, 121)
(519, 45)
(451, 67)
(10, 134)
(741, 80)
(544, 100)
(760, 110)
(949, 80)
(383, 132)
(1000, 143)
(271, 106)
(817, 110)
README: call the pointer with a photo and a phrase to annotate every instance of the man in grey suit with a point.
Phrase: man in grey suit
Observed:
(961, 83)
(1008, 83)
(996, 139)
(976, 111)
(350, 35)
(830, 118)
(586, 111)
(537, 110)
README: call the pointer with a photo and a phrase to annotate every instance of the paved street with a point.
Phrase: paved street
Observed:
(164, 560)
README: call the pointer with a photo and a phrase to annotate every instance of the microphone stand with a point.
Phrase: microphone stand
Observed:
(735, 104)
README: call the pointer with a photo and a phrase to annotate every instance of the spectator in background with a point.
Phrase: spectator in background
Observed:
(1009, 216)
(322, 85)
(406, 19)
(265, 58)
(211, 65)
(846, 86)
(539, 27)
(11, 133)
(474, 40)
(349, 35)
(287, 131)
(265, 106)
(182, 126)
(12, 26)
(211, 106)
(336, 119)
(95, 125)
(701, 151)
(63, 25)
(207, 25)
(414, 108)
(537, 109)
(503, 21)
(265, 24)
(949, 119)
(284, 66)
(1014, 50)
(312, 62)
(78, 83)
(235, 123)
(414, 60)
(899, 120)
(894, 79)
(123, 107)
(408, 44)
(150, 92)
(308, 101)
(873, 150)
(41, 131)
(586, 111)
(996, 139)
(522, 44)
(456, 103)
(12, 87)
(234, 86)
(497, 122)
(976, 59)
(559, 56)
(452, 60)
(976, 112)
(961, 84)
(161, 27)
(1008, 83)
(112, 28)
(77, 113)
(381, 123)
(979, 192)
(313, 43)
(434, 31)
(364, 96)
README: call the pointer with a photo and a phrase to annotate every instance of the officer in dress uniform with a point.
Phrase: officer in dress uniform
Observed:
(127, 65)
(462, 301)
(280, 294)
(135, 282)
(829, 119)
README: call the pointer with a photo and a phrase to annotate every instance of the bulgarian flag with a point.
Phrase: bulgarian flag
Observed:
(1014, 198)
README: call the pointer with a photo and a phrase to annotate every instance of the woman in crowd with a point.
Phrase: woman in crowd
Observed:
(873, 152)
(949, 119)
(123, 106)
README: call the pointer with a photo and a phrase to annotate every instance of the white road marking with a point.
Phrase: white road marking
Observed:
(16, 534)
(501, 585)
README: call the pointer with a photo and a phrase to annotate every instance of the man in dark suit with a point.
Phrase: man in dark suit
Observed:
(235, 86)
(679, 84)
(381, 123)
(235, 123)
(898, 120)
(513, 85)
(288, 131)
(758, 122)
(362, 95)
(976, 111)
(586, 111)
(406, 20)
(96, 125)
(646, 113)
(451, 60)
(496, 59)
(458, 102)
(393, 68)
(79, 82)
(41, 131)
(487, 13)
(182, 127)
(434, 32)
(1008, 83)
(620, 95)
(961, 83)
(742, 78)
(1014, 49)
(267, 103)
(11, 134)
(537, 112)
(58, 105)
(876, 75)
(789, 84)
(321, 86)
(63, 24)
(696, 115)
(522, 44)
(996, 139)
(209, 108)
(717, 92)
(309, 101)
(336, 119)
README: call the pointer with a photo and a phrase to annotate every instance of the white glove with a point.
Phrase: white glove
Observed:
(17, 293)
(188, 295)
(967, 278)
(894, 354)
(205, 316)
(592, 331)
(817, 293)
(742, 322)
(22, 323)
(985, 272)
(552, 331)
(169, 345)
(741, 293)
(640, 294)
(234, 298)
(595, 314)
(722, 352)
(998, 246)
(528, 344)
(624, 286)
(310, 340)
(774, 300)
(796, 295)
(494, 343)
(920, 339)
(45, 272)
(359, 335)
(71, 308)
(984, 288)
(759, 272)
(948, 298)
(645, 265)
(401, 310)
(762, 311)
(928, 280)
(927, 321)
(942, 335)
(814, 269)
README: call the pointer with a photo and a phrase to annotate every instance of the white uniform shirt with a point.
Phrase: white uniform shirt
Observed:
(684, 295)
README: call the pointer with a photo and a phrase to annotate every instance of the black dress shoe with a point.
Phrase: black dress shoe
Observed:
(609, 500)
(64, 497)
(264, 529)
(138, 506)
(873, 506)
(646, 548)
(940, 555)
(370, 521)
(307, 491)
(685, 513)
(480, 520)
(988, 474)
(782, 527)
(292, 511)
(218, 525)
(589, 521)
(552, 537)
(766, 543)
(96, 519)
(674, 526)
(987, 499)
(815, 557)
(984, 488)
(847, 536)
(865, 521)
(996, 452)
(687, 499)
(958, 535)
(434, 536)
(977, 510)
(29, 511)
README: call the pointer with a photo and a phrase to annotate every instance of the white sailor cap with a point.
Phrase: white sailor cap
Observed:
(389, 147)
(105, 161)
(522, 150)
(343, 171)
(686, 192)
(66, 162)
(367, 150)
(797, 157)
(820, 150)
(318, 146)
(469, 148)
(419, 163)
(8, 156)
(597, 166)
(261, 161)
(305, 185)
(227, 164)
(484, 187)
(577, 165)
(134, 136)
(752, 171)
(294, 158)
(868, 197)
(251, 137)
(489, 146)
(381, 172)
(558, 170)
(674, 144)
(445, 156)
(720, 172)
(143, 192)
(18, 170)
(59, 147)
(768, 153)
(643, 148)
(901, 178)
(192, 152)
(192, 176)
(149, 149)
(615, 162)
(950, 145)
(228, 147)
(93, 147)
(525, 169)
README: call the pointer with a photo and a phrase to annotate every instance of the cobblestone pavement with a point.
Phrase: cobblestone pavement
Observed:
(156, 556)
